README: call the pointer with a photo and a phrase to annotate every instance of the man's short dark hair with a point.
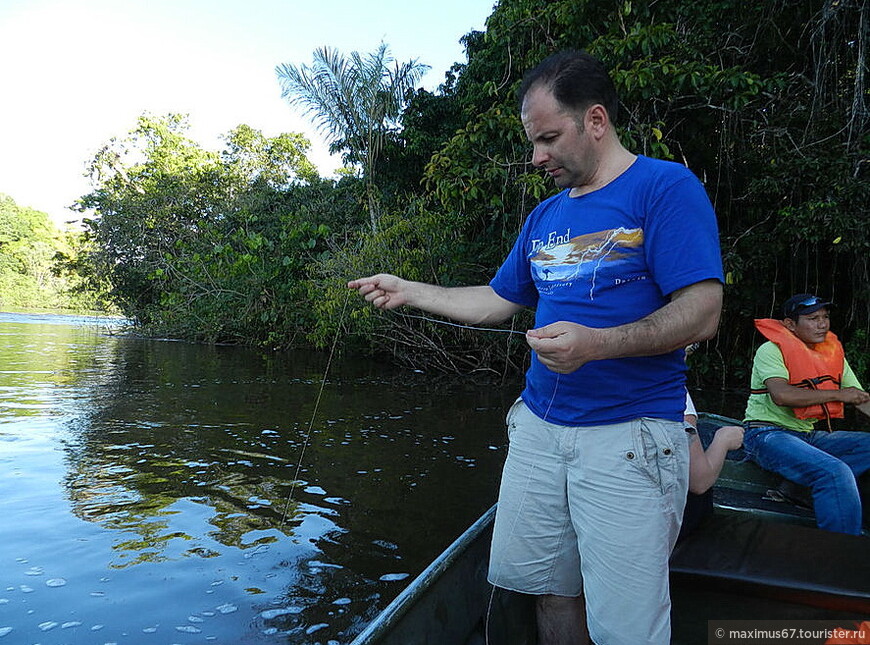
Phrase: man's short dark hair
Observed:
(576, 79)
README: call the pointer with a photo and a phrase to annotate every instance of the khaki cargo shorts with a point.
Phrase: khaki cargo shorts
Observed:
(593, 510)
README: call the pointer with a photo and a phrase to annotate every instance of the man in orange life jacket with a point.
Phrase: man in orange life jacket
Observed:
(800, 377)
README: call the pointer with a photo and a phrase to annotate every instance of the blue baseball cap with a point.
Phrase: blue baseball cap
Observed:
(803, 304)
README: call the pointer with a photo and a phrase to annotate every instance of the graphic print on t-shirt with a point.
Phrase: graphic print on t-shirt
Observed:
(563, 259)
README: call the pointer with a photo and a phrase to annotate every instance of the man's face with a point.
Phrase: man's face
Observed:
(810, 328)
(560, 144)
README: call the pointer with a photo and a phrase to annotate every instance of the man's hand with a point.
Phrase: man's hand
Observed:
(563, 347)
(854, 396)
(383, 290)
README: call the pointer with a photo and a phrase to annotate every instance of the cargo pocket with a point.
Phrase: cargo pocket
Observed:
(510, 419)
(654, 453)
(673, 452)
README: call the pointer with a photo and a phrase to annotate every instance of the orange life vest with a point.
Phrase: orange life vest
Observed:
(818, 368)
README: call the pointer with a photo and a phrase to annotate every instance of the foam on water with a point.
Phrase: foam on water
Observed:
(269, 614)
(316, 628)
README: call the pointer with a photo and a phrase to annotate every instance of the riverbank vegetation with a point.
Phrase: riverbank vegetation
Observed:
(766, 102)
(33, 256)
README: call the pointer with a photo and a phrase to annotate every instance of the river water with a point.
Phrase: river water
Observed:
(143, 486)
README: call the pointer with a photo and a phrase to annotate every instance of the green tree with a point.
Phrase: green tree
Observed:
(278, 162)
(29, 243)
(196, 243)
(356, 101)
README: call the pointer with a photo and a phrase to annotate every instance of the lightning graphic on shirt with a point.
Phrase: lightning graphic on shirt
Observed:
(584, 256)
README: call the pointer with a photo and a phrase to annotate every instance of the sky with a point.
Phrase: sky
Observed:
(75, 73)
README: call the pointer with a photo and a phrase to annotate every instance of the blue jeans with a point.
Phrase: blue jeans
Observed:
(827, 462)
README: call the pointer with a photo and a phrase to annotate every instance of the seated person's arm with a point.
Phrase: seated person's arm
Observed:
(705, 466)
(790, 396)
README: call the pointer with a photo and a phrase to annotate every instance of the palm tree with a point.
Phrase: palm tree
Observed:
(355, 101)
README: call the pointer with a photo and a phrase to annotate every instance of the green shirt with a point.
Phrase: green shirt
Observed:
(768, 363)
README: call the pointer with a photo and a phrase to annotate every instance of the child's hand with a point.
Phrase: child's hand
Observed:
(731, 436)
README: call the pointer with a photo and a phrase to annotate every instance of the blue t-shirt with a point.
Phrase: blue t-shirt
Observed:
(607, 258)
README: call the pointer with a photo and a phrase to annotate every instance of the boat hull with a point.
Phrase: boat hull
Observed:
(451, 602)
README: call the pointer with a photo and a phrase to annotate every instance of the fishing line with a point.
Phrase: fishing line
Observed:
(460, 325)
(553, 398)
(314, 412)
(488, 615)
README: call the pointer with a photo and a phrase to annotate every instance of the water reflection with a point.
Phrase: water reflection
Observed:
(153, 478)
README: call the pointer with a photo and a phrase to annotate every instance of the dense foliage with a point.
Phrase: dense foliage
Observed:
(766, 102)
(31, 248)
(206, 245)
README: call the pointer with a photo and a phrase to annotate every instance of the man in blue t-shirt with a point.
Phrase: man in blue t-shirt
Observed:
(623, 270)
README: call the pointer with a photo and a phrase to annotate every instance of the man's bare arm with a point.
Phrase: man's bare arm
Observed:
(473, 305)
(691, 315)
(790, 396)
